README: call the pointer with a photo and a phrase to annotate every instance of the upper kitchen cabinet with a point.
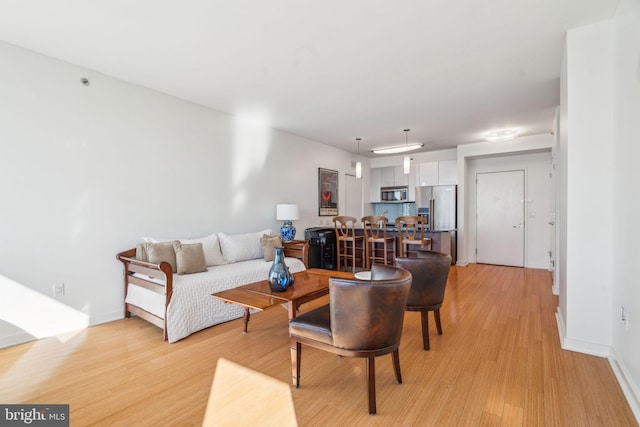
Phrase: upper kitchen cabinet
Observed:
(393, 176)
(387, 178)
(438, 173)
(428, 173)
(448, 172)
(374, 192)
(399, 178)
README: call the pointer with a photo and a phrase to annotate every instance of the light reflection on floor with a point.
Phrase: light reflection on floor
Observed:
(37, 314)
(242, 397)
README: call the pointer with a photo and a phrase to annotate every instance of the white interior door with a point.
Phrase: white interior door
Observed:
(353, 197)
(500, 218)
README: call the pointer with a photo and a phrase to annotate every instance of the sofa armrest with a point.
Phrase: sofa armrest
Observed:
(162, 271)
(297, 249)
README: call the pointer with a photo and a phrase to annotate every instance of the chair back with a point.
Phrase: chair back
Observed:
(375, 227)
(344, 226)
(368, 315)
(430, 272)
(410, 227)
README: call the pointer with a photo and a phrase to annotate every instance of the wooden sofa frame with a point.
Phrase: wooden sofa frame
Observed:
(164, 272)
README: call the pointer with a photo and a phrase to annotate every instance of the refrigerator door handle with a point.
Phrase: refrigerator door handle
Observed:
(432, 214)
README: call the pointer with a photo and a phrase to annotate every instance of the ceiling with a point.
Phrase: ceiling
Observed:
(329, 71)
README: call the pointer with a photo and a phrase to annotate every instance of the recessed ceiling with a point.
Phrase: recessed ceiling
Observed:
(329, 71)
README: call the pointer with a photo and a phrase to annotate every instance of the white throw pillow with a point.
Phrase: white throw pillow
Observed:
(210, 245)
(241, 247)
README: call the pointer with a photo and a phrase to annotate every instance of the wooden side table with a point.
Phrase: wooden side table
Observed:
(297, 249)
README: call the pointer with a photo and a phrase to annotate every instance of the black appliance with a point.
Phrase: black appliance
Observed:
(322, 247)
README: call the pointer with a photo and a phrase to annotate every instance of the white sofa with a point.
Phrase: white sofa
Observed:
(160, 290)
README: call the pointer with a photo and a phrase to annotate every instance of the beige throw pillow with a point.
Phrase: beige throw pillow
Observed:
(189, 258)
(210, 246)
(162, 251)
(269, 243)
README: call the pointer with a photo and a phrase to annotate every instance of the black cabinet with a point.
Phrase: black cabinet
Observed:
(322, 247)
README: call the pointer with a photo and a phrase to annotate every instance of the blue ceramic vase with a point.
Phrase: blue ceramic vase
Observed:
(287, 231)
(279, 276)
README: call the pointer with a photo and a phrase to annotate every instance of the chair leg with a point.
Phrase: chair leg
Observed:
(296, 356)
(425, 329)
(396, 366)
(371, 381)
(436, 314)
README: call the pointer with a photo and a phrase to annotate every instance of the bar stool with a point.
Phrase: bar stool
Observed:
(411, 233)
(348, 244)
(375, 231)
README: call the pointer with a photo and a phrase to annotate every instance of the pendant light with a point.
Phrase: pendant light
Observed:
(407, 158)
(358, 163)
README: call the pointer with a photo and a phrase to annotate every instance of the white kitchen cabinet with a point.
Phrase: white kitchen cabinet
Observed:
(374, 193)
(428, 173)
(448, 172)
(387, 177)
(399, 178)
(413, 182)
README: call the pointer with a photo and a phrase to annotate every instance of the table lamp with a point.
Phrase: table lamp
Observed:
(287, 213)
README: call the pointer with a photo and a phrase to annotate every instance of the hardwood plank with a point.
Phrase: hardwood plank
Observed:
(498, 362)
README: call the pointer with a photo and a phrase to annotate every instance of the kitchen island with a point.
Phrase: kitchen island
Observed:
(441, 240)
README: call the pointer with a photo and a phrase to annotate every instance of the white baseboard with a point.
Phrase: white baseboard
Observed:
(106, 317)
(462, 263)
(579, 346)
(630, 389)
(20, 338)
(23, 337)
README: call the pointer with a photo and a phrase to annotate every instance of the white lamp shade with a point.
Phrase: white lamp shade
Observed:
(359, 170)
(407, 165)
(287, 212)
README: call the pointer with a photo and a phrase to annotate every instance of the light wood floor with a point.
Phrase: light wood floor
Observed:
(499, 362)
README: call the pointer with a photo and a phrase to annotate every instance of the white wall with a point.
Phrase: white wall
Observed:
(537, 167)
(86, 171)
(626, 203)
(586, 289)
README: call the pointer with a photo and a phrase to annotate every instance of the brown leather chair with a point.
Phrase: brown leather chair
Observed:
(375, 233)
(430, 272)
(411, 233)
(363, 319)
(349, 246)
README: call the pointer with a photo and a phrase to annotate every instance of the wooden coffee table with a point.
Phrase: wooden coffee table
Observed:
(309, 285)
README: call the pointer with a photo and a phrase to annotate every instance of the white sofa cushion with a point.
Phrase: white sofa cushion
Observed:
(241, 247)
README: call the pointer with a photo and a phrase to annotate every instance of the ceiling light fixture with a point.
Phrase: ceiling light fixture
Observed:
(358, 163)
(501, 135)
(407, 159)
(398, 149)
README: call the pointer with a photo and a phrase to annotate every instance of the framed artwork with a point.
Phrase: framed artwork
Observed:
(327, 192)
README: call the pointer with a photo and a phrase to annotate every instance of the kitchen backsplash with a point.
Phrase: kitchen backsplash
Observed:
(394, 210)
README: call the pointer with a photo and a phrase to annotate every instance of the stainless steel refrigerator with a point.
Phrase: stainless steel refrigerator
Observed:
(438, 205)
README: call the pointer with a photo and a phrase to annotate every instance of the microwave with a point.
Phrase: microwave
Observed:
(394, 194)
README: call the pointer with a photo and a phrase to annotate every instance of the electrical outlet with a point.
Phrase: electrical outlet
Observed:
(626, 322)
(58, 290)
(624, 318)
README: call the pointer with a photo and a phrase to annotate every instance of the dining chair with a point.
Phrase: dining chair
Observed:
(430, 271)
(350, 248)
(410, 234)
(363, 319)
(375, 234)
